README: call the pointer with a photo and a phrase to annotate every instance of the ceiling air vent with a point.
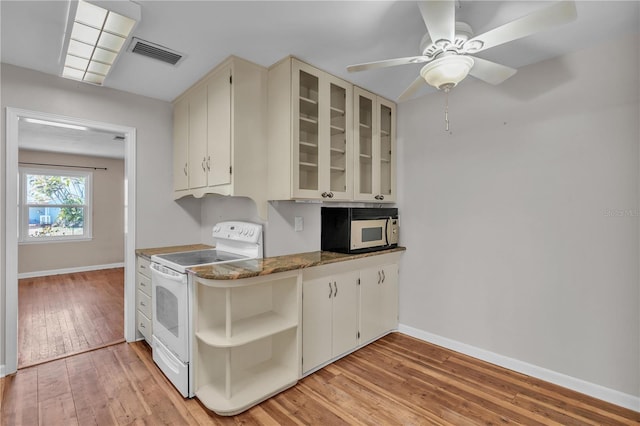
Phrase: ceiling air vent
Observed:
(155, 51)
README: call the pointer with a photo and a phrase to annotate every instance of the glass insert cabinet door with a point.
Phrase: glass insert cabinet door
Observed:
(387, 150)
(322, 131)
(375, 145)
(308, 133)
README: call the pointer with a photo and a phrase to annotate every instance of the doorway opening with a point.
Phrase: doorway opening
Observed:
(13, 220)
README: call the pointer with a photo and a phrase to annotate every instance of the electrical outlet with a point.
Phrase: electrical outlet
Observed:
(298, 224)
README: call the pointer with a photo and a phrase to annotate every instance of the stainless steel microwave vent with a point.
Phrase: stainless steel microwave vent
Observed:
(155, 51)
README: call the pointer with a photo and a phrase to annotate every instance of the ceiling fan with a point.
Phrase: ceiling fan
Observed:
(447, 46)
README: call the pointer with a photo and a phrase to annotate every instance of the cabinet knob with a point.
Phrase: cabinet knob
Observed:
(330, 194)
(379, 197)
(325, 194)
(142, 304)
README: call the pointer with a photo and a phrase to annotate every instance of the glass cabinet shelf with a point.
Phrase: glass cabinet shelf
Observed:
(335, 130)
(311, 145)
(336, 112)
(311, 101)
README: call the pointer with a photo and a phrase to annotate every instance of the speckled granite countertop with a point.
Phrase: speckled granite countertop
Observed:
(272, 265)
(148, 252)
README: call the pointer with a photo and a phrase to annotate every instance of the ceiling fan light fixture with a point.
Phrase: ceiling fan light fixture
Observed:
(446, 72)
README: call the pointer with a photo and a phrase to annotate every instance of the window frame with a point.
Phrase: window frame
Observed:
(23, 206)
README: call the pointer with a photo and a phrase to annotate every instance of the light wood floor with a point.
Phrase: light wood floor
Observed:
(395, 381)
(66, 314)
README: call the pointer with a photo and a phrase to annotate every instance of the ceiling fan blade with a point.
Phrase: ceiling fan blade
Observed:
(388, 63)
(440, 18)
(490, 72)
(412, 89)
(557, 14)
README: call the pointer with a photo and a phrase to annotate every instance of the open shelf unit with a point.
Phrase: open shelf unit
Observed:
(247, 345)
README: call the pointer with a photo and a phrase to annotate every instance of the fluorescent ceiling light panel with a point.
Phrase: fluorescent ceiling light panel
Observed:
(55, 124)
(97, 37)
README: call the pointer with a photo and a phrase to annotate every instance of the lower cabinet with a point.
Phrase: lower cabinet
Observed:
(329, 318)
(247, 340)
(347, 305)
(143, 298)
(378, 301)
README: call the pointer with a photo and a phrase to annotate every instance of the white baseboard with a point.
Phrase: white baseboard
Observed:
(578, 385)
(69, 270)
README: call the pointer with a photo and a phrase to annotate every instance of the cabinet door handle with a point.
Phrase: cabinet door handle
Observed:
(142, 284)
(330, 290)
(383, 276)
(325, 194)
(330, 194)
(379, 277)
(379, 197)
(204, 164)
(142, 325)
(335, 287)
(209, 163)
(142, 304)
(185, 169)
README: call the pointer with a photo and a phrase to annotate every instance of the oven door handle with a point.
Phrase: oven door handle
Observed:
(173, 276)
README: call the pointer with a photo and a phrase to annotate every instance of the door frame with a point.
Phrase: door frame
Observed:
(13, 115)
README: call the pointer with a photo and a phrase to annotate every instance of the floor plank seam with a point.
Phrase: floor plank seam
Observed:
(67, 355)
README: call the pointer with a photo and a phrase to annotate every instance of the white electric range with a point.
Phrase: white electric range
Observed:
(173, 295)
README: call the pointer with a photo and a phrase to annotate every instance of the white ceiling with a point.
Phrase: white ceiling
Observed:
(95, 143)
(328, 34)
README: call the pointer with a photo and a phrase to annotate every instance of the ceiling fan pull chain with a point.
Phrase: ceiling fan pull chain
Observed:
(446, 110)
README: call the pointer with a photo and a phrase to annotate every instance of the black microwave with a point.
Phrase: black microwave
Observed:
(358, 229)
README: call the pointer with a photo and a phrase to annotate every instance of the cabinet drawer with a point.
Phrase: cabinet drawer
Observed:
(143, 266)
(144, 304)
(144, 284)
(144, 325)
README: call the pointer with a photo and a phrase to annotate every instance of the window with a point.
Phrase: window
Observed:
(55, 205)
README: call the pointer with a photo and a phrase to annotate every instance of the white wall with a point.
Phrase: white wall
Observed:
(522, 226)
(279, 235)
(160, 221)
(106, 246)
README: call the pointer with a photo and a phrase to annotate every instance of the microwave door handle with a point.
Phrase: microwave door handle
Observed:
(387, 230)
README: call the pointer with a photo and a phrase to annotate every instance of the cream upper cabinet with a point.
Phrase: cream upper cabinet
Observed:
(222, 118)
(219, 128)
(181, 145)
(310, 130)
(374, 147)
(198, 139)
